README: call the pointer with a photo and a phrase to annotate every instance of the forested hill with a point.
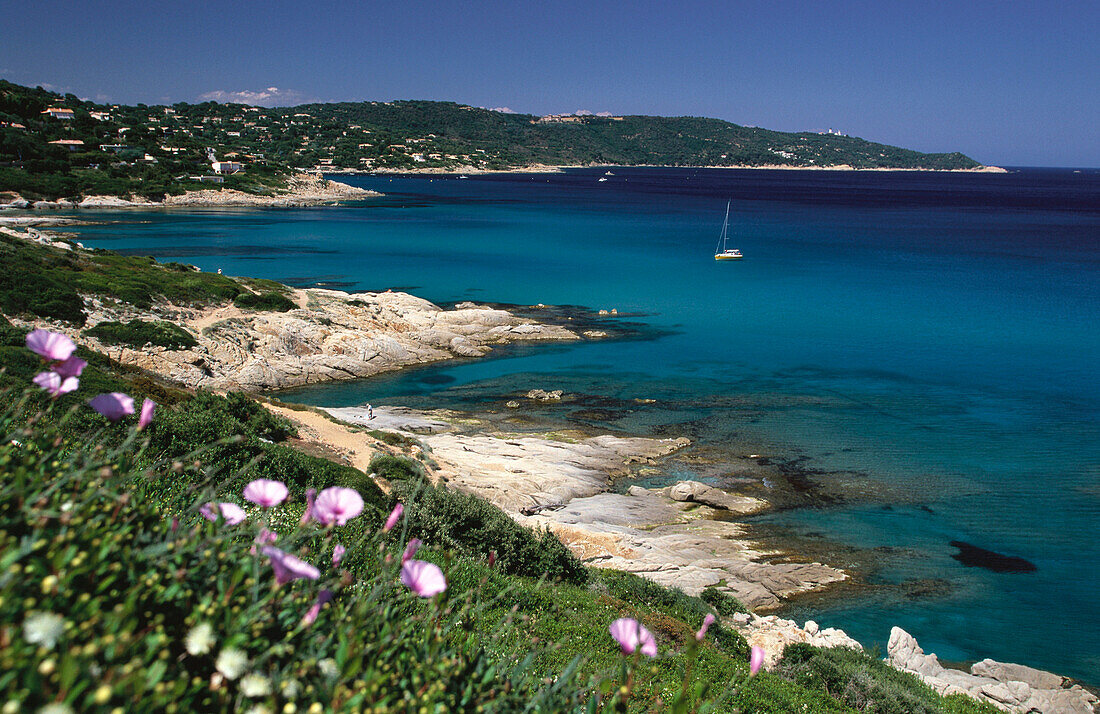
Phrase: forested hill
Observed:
(53, 145)
(506, 140)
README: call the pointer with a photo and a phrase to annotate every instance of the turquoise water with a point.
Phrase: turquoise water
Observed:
(926, 344)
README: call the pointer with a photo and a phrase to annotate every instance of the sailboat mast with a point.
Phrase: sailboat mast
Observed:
(725, 230)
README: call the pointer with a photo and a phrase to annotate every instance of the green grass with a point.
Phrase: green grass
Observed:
(138, 333)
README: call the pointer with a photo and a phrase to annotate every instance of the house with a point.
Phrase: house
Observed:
(419, 158)
(226, 167)
(101, 116)
(114, 148)
(60, 113)
(70, 144)
(207, 179)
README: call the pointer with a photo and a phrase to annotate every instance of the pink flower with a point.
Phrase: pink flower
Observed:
(707, 622)
(71, 367)
(631, 635)
(265, 492)
(52, 346)
(315, 609)
(410, 550)
(114, 406)
(288, 567)
(53, 383)
(263, 538)
(756, 660)
(337, 505)
(147, 408)
(394, 517)
(308, 514)
(337, 554)
(423, 578)
(231, 512)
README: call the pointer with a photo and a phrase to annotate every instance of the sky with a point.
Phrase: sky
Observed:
(1008, 83)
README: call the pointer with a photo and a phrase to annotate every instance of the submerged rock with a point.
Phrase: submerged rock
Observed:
(973, 556)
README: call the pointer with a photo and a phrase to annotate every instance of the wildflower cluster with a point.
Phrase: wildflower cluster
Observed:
(238, 598)
(63, 376)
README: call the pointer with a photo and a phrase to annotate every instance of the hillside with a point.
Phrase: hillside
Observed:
(132, 594)
(60, 146)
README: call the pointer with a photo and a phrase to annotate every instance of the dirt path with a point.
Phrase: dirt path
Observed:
(358, 448)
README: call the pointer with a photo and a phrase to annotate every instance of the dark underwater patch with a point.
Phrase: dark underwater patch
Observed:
(975, 557)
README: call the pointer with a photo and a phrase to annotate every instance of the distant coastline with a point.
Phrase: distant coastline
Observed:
(548, 168)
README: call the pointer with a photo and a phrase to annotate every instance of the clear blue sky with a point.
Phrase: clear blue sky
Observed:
(1006, 82)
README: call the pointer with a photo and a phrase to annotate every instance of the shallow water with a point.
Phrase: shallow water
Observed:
(927, 342)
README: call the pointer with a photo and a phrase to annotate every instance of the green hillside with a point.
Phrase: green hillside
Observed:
(83, 148)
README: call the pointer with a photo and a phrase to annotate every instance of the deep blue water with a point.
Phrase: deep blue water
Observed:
(928, 341)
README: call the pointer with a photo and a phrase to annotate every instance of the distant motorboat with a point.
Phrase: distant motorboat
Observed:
(609, 174)
(463, 176)
(722, 251)
(602, 179)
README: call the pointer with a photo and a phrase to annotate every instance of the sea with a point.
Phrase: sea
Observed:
(919, 352)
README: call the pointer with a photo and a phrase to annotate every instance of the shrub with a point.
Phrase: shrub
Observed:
(671, 601)
(267, 301)
(138, 333)
(724, 603)
(471, 525)
(391, 438)
(118, 607)
(26, 291)
(396, 468)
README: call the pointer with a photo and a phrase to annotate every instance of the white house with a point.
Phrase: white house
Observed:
(60, 113)
(70, 144)
(226, 167)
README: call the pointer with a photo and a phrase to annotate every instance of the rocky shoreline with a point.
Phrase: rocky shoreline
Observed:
(302, 190)
(564, 481)
(686, 535)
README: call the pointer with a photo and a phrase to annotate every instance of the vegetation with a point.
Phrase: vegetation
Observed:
(153, 151)
(48, 282)
(867, 684)
(269, 301)
(138, 333)
(471, 525)
(118, 593)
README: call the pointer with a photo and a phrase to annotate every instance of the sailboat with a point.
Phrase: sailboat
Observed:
(721, 251)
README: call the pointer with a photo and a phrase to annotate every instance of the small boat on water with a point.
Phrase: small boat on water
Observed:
(602, 179)
(609, 174)
(722, 251)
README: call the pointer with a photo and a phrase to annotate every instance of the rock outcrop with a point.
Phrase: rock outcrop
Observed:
(564, 485)
(301, 190)
(331, 336)
(1010, 687)
(697, 492)
(774, 634)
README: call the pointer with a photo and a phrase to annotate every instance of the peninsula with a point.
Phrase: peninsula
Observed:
(56, 146)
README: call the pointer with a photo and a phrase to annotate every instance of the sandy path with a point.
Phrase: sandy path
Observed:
(357, 447)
